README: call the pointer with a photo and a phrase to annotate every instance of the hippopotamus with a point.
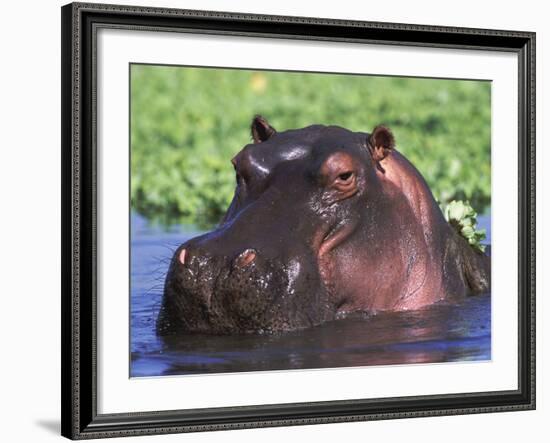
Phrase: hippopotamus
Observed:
(324, 222)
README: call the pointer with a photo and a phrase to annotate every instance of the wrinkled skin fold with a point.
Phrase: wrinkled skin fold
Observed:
(324, 222)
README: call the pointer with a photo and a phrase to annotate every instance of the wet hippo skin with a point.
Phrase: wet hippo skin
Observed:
(324, 222)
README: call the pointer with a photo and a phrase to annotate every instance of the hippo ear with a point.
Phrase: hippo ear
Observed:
(261, 129)
(381, 143)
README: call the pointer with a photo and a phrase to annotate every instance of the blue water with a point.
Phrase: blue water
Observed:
(440, 333)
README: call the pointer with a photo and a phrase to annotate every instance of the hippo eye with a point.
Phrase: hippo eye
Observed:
(345, 176)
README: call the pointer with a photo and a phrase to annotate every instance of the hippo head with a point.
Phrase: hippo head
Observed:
(299, 194)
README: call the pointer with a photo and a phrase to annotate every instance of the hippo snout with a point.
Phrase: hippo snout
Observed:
(205, 265)
(242, 260)
(216, 291)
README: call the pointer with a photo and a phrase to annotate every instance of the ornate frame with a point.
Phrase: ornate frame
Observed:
(80, 22)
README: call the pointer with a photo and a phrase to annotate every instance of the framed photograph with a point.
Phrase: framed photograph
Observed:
(273, 221)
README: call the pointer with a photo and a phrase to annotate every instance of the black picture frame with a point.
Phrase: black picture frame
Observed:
(79, 211)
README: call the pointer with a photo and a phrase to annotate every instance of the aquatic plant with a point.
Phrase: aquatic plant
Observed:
(463, 218)
(187, 123)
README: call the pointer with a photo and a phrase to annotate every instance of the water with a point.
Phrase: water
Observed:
(439, 333)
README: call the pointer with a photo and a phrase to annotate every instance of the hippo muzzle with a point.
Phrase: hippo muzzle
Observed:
(239, 290)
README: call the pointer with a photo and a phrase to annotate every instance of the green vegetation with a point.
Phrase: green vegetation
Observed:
(187, 123)
(463, 218)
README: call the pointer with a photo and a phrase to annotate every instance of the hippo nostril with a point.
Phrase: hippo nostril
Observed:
(245, 258)
(182, 255)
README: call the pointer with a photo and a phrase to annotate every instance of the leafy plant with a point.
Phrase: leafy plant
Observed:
(187, 123)
(463, 218)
